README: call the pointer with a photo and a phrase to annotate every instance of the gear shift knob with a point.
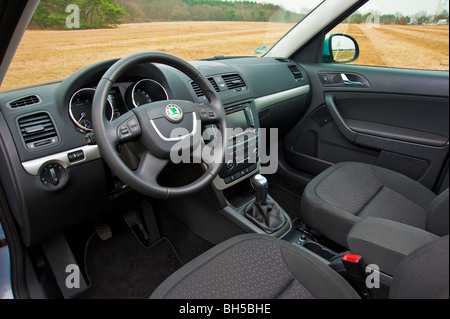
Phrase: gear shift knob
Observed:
(264, 212)
(261, 186)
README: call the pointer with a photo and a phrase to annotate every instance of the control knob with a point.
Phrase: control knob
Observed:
(229, 165)
(53, 176)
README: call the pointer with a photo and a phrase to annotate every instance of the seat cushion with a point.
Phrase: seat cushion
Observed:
(424, 273)
(255, 266)
(346, 192)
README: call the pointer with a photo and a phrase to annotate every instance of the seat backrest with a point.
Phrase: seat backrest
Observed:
(437, 217)
(423, 274)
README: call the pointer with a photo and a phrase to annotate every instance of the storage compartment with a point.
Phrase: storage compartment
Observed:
(302, 237)
(319, 250)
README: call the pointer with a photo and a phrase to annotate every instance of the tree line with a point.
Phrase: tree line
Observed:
(421, 17)
(205, 10)
(51, 14)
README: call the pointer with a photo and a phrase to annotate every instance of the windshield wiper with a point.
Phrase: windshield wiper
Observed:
(223, 57)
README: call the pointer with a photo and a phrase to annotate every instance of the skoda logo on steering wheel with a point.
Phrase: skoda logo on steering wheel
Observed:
(174, 112)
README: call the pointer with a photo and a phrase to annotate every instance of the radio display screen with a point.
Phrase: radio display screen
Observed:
(237, 120)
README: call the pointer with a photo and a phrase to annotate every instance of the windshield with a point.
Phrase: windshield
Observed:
(64, 36)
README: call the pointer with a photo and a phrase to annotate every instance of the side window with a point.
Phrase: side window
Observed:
(411, 34)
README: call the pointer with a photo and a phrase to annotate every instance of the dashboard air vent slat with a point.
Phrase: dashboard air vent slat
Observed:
(24, 101)
(233, 81)
(37, 130)
(296, 72)
(199, 92)
(233, 109)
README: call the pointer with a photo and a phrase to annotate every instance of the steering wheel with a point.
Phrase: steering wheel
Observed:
(164, 128)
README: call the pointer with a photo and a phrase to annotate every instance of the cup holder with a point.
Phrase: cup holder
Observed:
(319, 250)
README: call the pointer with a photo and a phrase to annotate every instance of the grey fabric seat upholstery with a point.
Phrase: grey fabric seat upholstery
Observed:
(423, 274)
(255, 266)
(347, 192)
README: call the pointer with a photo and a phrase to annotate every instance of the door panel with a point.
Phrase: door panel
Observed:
(396, 119)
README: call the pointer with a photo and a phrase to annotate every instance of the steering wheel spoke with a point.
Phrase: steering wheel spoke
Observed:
(150, 167)
(124, 129)
(208, 114)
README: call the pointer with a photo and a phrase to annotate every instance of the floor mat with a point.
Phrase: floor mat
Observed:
(121, 268)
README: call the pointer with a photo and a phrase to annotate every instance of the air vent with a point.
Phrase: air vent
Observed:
(199, 92)
(296, 72)
(214, 84)
(233, 81)
(24, 101)
(233, 109)
(37, 130)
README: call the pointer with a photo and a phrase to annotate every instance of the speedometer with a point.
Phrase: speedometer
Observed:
(147, 91)
(80, 106)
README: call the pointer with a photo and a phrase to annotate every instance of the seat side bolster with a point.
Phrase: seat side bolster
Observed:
(315, 274)
(332, 222)
(438, 215)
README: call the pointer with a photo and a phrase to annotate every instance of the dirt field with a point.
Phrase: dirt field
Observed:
(50, 55)
(412, 46)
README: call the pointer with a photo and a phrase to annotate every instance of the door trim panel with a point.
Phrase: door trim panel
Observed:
(399, 122)
(351, 128)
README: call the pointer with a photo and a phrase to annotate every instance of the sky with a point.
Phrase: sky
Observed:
(406, 7)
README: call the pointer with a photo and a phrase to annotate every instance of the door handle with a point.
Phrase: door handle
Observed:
(349, 82)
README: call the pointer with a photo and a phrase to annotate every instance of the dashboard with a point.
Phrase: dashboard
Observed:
(122, 98)
(52, 166)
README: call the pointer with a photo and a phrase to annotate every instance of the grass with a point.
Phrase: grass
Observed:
(49, 55)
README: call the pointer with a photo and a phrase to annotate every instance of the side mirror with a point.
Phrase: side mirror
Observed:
(339, 48)
(263, 49)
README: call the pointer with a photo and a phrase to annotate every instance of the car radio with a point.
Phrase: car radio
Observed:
(241, 157)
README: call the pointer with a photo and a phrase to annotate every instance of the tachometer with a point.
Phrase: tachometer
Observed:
(80, 109)
(140, 97)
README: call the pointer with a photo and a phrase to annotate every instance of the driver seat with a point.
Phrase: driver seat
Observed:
(254, 266)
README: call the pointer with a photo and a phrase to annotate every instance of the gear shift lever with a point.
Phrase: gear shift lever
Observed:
(261, 186)
(262, 212)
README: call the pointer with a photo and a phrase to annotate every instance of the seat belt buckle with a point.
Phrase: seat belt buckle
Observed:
(355, 269)
(354, 266)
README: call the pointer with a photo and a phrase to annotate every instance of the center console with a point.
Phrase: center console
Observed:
(255, 211)
(241, 156)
